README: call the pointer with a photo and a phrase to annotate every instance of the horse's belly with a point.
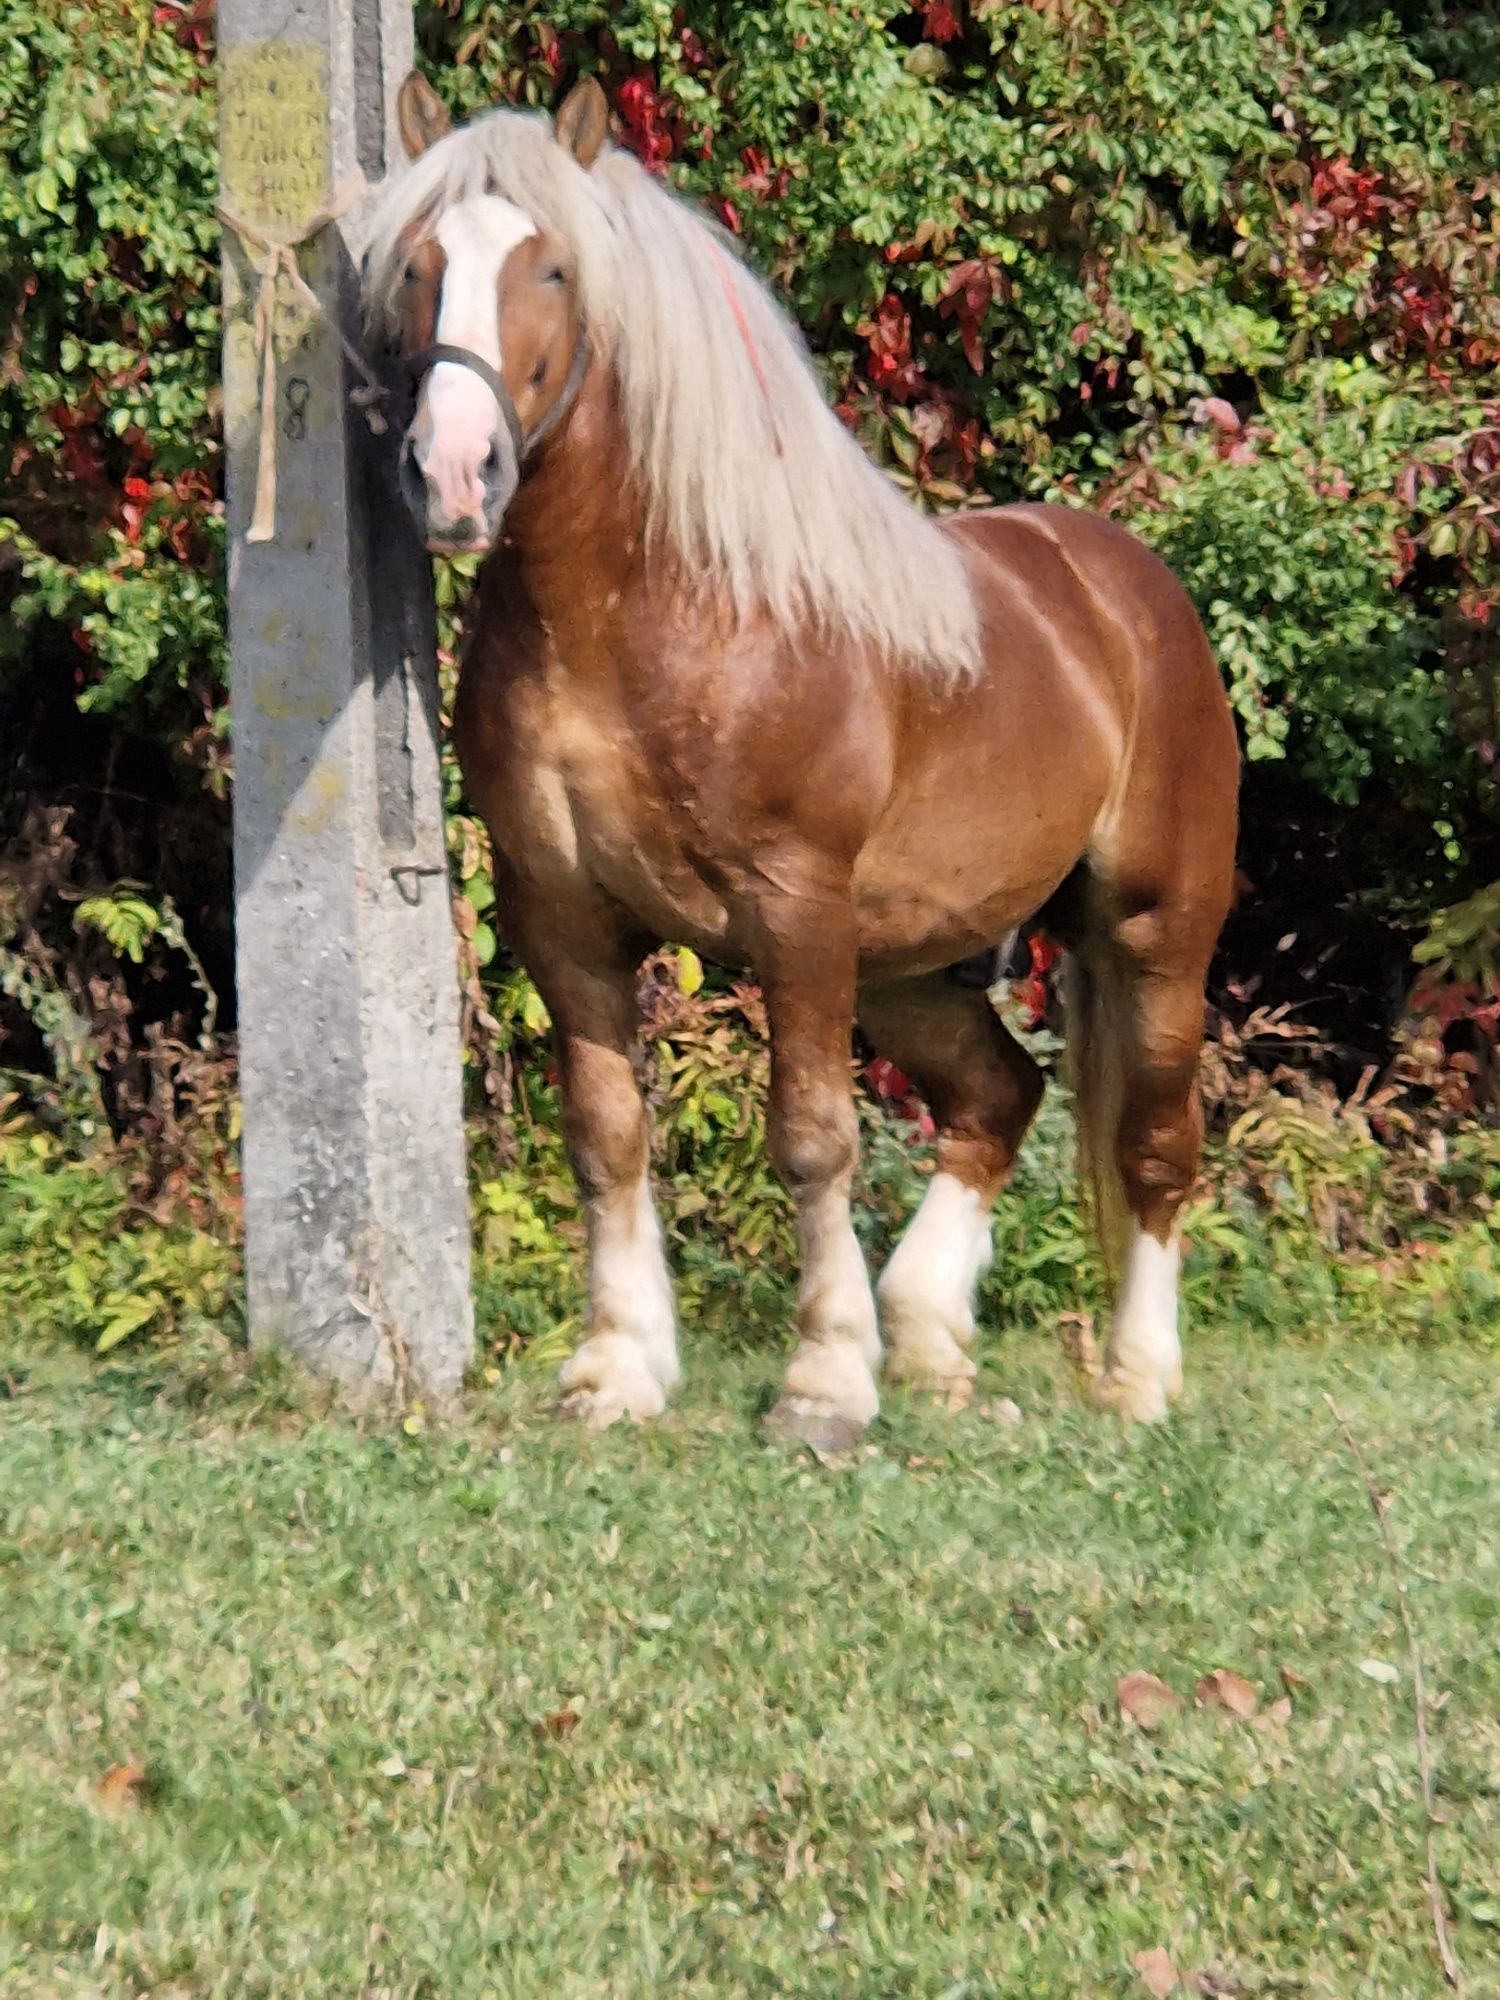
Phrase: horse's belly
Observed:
(910, 930)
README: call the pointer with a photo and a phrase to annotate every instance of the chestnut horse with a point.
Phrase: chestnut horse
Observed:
(726, 687)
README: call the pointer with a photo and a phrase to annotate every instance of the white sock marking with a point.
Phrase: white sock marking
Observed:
(629, 1284)
(941, 1258)
(1143, 1340)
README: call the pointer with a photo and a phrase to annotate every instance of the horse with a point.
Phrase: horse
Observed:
(727, 687)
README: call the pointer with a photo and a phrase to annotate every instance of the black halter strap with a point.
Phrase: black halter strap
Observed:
(421, 364)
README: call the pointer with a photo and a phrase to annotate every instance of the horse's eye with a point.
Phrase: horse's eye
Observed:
(555, 276)
(409, 275)
(539, 373)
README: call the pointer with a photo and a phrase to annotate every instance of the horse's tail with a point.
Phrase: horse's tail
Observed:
(1100, 1029)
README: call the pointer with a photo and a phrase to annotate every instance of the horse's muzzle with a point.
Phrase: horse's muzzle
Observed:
(469, 523)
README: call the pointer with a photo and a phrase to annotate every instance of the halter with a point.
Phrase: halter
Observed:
(420, 365)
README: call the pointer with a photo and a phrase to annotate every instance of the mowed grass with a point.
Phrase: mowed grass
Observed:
(508, 1710)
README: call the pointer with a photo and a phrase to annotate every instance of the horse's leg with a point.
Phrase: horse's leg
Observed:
(1147, 977)
(806, 965)
(983, 1089)
(626, 1364)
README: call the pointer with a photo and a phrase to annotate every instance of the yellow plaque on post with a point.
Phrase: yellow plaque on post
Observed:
(273, 132)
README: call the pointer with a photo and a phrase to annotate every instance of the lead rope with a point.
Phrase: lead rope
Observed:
(275, 258)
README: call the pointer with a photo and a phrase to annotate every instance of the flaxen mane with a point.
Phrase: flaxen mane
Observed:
(747, 471)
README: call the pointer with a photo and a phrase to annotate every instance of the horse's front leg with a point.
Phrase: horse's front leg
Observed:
(806, 964)
(626, 1365)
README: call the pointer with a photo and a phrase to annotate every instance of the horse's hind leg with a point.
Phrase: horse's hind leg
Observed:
(1135, 1042)
(983, 1089)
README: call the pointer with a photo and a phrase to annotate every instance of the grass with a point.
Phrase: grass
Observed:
(505, 1710)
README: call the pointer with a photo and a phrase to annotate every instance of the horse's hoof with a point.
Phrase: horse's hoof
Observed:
(598, 1405)
(593, 1408)
(950, 1386)
(824, 1429)
(606, 1380)
(1139, 1399)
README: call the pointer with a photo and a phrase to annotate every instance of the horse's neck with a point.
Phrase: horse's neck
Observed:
(578, 526)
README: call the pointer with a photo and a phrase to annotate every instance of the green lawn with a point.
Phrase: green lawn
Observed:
(509, 1710)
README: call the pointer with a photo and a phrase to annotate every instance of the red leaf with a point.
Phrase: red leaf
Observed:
(1223, 416)
(939, 22)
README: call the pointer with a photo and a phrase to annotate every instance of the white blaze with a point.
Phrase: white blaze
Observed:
(456, 423)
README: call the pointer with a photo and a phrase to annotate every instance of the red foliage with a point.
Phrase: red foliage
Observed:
(653, 127)
(1347, 198)
(758, 179)
(939, 22)
(971, 290)
(893, 1087)
(1032, 991)
(83, 460)
(890, 366)
(192, 24)
(549, 47)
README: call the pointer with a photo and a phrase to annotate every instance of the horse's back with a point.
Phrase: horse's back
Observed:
(1097, 731)
(1060, 558)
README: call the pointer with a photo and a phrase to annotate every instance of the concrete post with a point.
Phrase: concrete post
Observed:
(356, 1213)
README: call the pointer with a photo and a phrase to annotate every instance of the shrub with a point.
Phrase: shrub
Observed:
(1228, 269)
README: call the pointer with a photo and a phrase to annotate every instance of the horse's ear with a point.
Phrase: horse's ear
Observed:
(421, 115)
(582, 122)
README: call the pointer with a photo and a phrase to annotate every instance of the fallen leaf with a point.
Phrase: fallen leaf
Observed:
(393, 1767)
(1380, 1670)
(563, 1723)
(1277, 1716)
(1224, 1689)
(1146, 1701)
(1292, 1682)
(123, 1788)
(1157, 1972)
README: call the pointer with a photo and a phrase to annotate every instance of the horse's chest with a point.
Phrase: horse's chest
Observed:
(596, 819)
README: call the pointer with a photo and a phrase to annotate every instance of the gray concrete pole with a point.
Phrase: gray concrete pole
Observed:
(356, 1212)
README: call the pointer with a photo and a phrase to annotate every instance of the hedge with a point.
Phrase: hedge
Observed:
(1230, 270)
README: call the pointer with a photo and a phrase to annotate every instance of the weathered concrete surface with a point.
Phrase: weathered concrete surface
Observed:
(356, 1213)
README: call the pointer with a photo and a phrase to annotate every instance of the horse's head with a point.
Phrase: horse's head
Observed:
(487, 319)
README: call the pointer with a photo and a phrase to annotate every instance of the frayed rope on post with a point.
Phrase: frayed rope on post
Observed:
(274, 258)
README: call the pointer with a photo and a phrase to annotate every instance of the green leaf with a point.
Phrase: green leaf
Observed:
(128, 1319)
(1443, 539)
